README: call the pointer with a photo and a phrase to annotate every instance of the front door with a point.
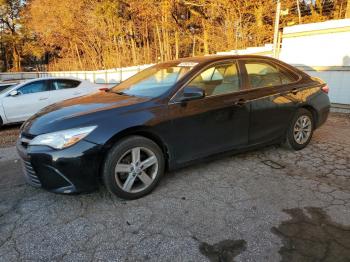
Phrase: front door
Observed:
(212, 124)
(30, 99)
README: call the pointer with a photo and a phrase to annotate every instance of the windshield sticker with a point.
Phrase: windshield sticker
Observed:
(188, 64)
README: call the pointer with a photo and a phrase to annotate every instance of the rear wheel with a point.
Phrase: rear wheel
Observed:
(300, 131)
(133, 167)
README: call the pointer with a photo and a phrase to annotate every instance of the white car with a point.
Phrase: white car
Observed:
(19, 102)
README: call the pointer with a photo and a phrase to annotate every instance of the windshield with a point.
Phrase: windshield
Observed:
(153, 81)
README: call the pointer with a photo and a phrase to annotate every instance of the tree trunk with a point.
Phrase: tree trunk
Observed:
(4, 59)
(16, 59)
(176, 44)
(259, 16)
(194, 46)
(79, 58)
(161, 51)
(148, 51)
(133, 45)
(347, 14)
(205, 39)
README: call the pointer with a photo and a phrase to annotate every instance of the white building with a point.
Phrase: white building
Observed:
(322, 50)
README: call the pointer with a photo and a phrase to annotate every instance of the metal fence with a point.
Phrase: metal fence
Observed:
(338, 80)
(112, 76)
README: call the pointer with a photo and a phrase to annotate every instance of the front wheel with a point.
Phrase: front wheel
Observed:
(133, 167)
(301, 129)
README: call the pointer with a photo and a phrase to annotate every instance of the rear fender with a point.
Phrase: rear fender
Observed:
(319, 105)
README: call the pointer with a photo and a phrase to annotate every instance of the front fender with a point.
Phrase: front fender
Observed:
(109, 127)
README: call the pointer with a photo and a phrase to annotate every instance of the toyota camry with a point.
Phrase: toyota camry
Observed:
(168, 116)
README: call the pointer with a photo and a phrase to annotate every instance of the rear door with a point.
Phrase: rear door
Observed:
(30, 99)
(63, 89)
(272, 104)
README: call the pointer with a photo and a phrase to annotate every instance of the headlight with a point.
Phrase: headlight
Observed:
(62, 139)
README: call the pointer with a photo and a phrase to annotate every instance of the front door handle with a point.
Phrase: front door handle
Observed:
(42, 98)
(239, 102)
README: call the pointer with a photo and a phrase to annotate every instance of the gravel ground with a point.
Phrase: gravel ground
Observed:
(270, 204)
(8, 135)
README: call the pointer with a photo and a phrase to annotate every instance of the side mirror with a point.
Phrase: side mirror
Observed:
(14, 93)
(191, 93)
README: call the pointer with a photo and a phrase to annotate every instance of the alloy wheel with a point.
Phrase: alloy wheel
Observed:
(302, 129)
(136, 169)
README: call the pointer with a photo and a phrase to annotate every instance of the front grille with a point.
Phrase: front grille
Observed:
(30, 174)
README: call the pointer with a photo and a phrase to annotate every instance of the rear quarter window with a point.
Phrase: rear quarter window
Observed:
(65, 84)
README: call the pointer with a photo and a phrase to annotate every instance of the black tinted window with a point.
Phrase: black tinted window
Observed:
(35, 87)
(65, 84)
(3, 87)
(262, 74)
(217, 80)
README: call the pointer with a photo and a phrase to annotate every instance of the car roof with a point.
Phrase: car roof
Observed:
(213, 58)
(208, 59)
(53, 78)
(22, 83)
(26, 81)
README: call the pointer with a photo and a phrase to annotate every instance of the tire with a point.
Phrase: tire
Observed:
(125, 172)
(298, 140)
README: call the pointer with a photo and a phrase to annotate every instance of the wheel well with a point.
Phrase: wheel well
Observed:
(136, 131)
(1, 122)
(314, 114)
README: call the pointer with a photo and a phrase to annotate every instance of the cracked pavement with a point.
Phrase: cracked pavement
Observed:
(235, 208)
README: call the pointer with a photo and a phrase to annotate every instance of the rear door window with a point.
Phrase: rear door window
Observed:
(261, 74)
(64, 84)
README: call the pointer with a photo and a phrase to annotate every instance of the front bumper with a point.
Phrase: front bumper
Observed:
(71, 170)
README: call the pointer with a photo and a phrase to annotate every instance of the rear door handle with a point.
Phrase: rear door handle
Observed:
(295, 91)
(239, 102)
(77, 93)
(42, 98)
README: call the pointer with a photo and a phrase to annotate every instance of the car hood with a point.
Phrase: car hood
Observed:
(77, 112)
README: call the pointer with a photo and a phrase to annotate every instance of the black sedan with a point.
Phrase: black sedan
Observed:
(168, 116)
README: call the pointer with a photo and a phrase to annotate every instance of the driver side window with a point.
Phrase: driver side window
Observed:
(218, 80)
(35, 87)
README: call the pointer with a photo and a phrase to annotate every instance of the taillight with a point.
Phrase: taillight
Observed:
(325, 89)
(104, 89)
